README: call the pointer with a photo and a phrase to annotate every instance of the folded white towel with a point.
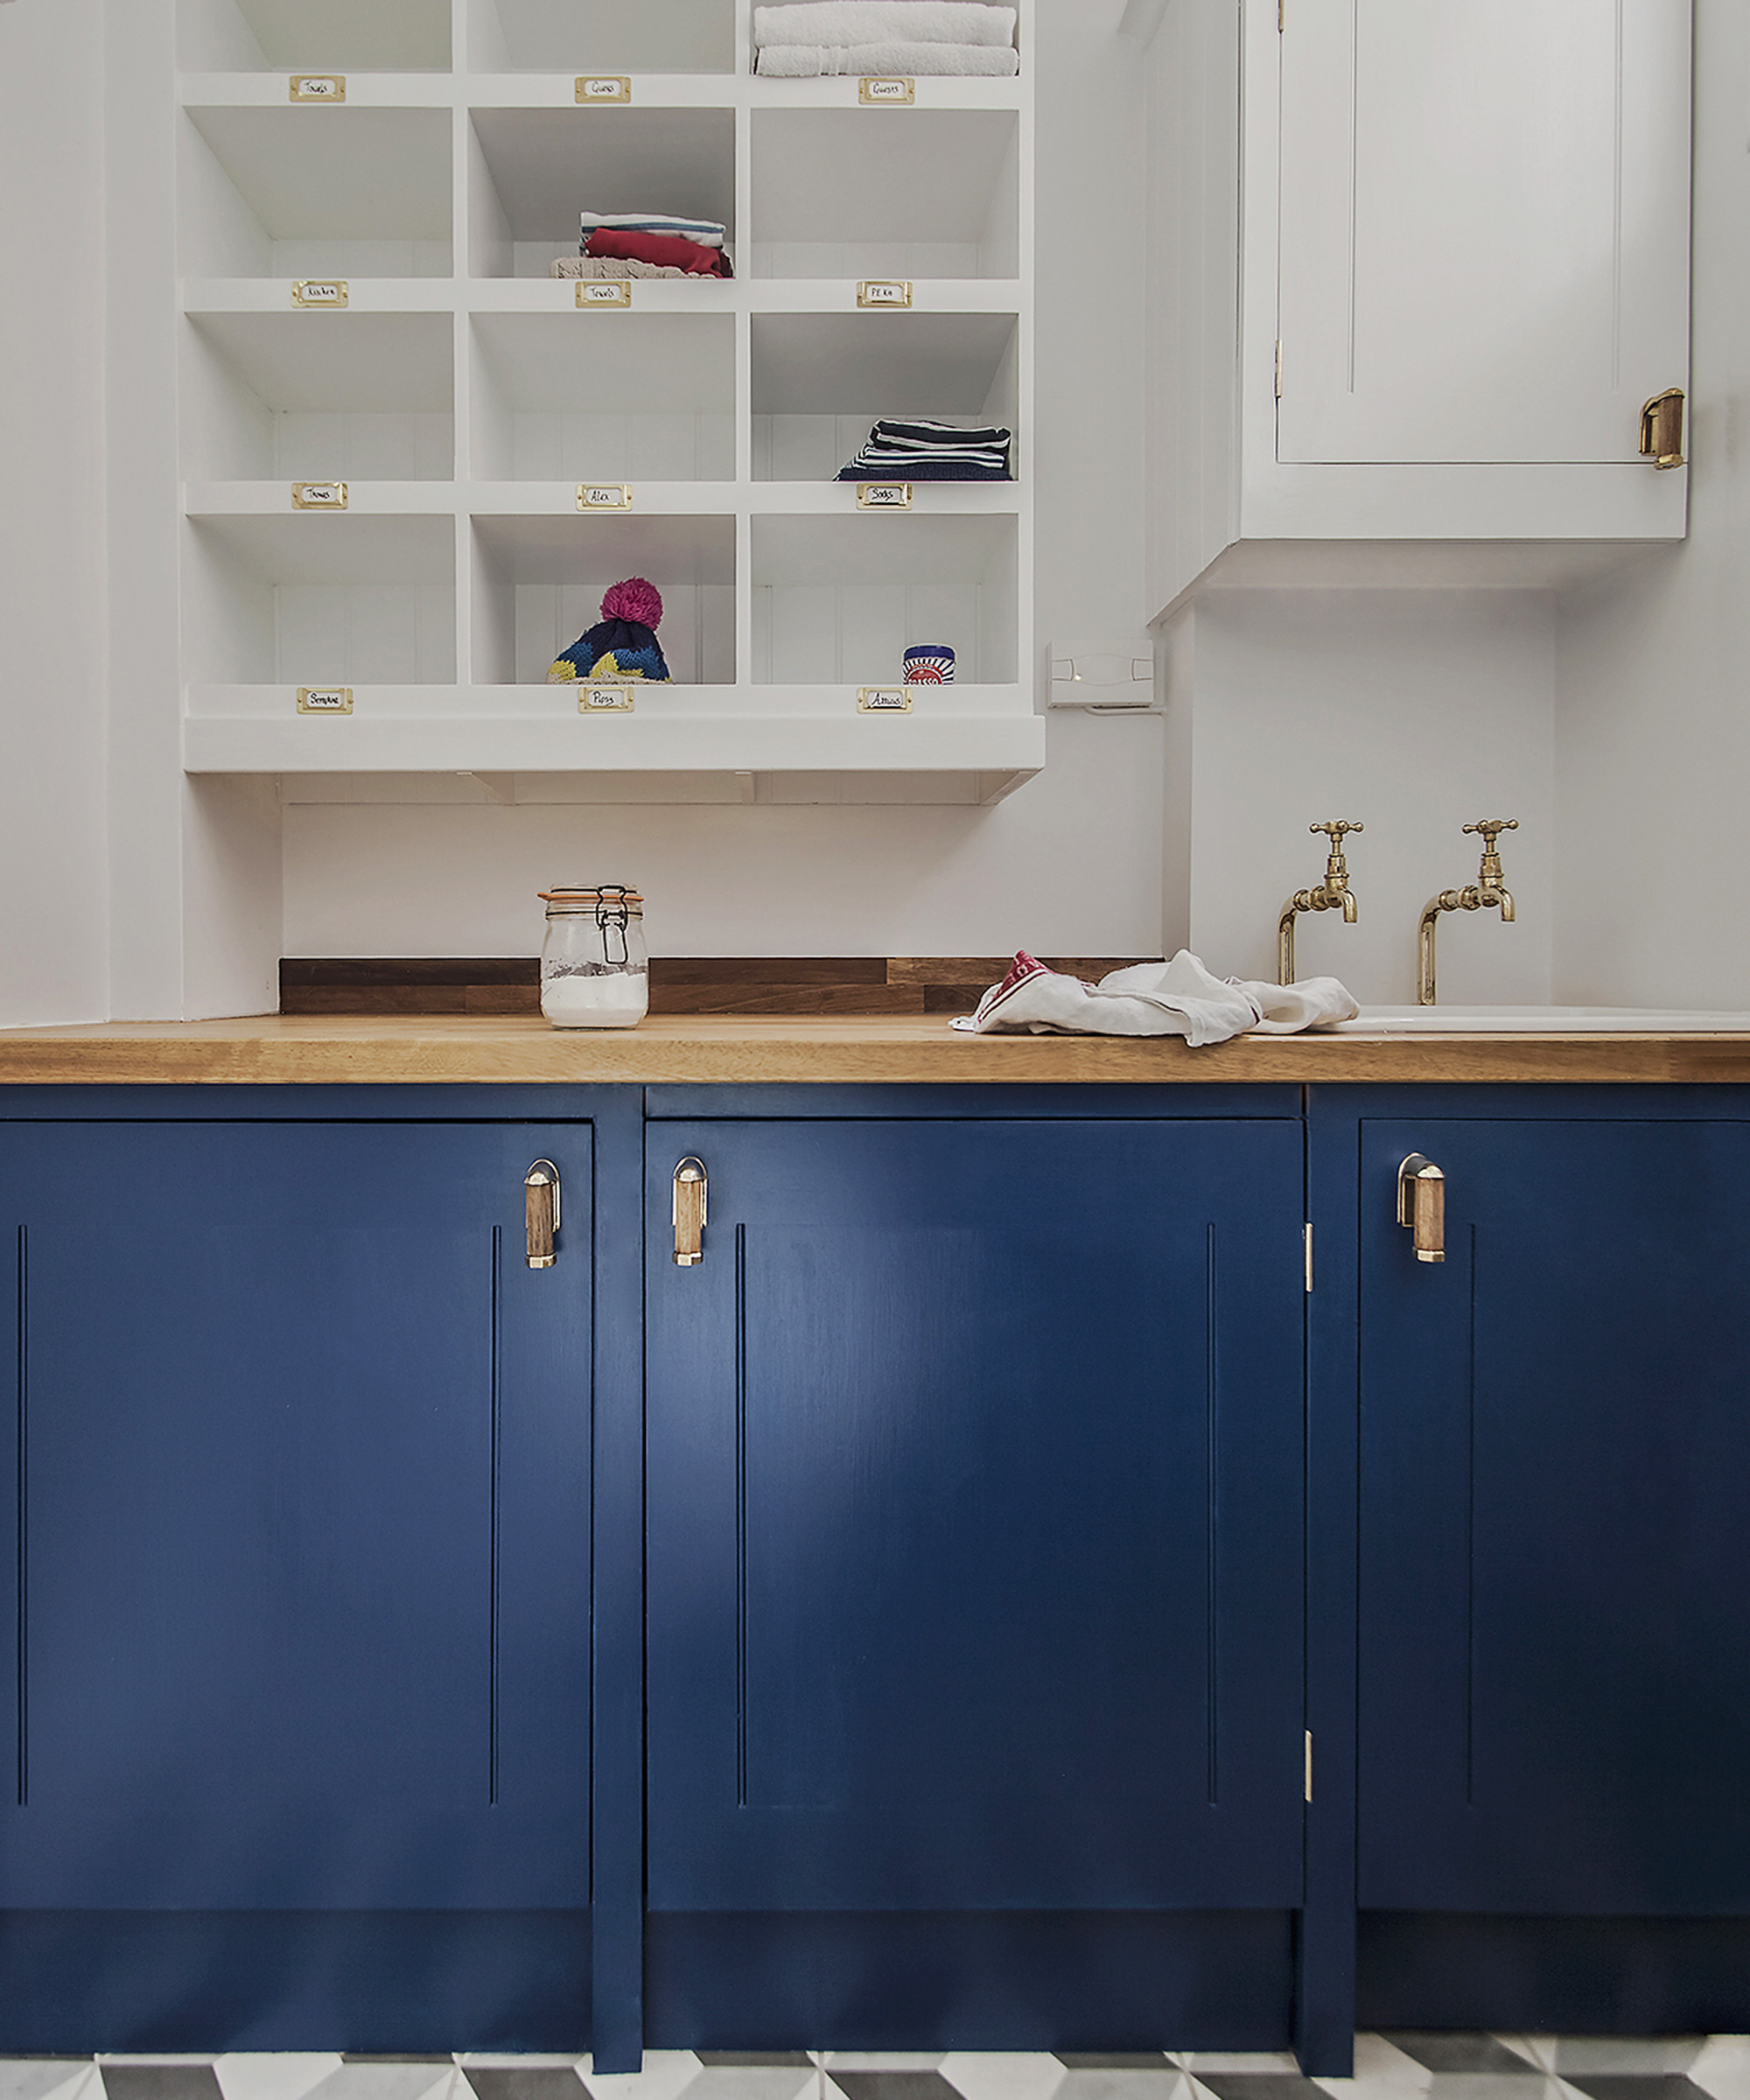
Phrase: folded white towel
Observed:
(703, 233)
(1178, 997)
(884, 21)
(811, 61)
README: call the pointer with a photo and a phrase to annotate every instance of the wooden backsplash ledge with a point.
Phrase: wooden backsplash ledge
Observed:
(853, 985)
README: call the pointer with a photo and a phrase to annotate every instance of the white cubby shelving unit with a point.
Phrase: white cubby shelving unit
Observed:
(462, 395)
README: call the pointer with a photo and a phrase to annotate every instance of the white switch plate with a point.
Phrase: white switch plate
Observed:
(1112, 675)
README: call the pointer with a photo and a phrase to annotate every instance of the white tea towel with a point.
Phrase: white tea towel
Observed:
(1178, 997)
(813, 61)
(878, 21)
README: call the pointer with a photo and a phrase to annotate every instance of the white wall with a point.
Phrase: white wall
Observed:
(1415, 713)
(1653, 707)
(1069, 865)
(53, 640)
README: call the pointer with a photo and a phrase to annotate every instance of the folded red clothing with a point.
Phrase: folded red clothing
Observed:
(666, 249)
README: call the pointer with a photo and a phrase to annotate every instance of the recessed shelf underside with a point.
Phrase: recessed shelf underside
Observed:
(969, 744)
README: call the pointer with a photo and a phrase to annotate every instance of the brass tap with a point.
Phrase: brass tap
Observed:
(1487, 894)
(1333, 895)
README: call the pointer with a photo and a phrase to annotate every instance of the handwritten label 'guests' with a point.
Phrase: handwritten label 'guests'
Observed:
(604, 87)
(888, 88)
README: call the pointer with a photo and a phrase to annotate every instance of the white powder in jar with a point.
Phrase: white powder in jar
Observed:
(616, 998)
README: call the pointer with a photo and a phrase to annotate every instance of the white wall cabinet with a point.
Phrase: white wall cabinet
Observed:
(464, 399)
(1418, 295)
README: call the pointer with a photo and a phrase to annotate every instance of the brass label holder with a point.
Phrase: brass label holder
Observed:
(603, 495)
(594, 89)
(324, 699)
(596, 698)
(318, 495)
(605, 291)
(318, 87)
(883, 495)
(886, 91)
(330, 292)
(883, 700)
(893, 295)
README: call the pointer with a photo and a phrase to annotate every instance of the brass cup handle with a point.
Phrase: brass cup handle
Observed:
(1422, 1206)
(1662, 429)
(541, 1202)
(691, 1196)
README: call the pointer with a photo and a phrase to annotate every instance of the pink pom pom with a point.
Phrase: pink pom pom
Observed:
(635, 601)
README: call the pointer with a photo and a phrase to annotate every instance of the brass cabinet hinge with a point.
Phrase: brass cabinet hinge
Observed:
(1309, 1764)
(1306, 1248)
(1281, 7)
(1278, 367)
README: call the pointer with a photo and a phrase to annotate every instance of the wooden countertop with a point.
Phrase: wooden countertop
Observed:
(285, 1049)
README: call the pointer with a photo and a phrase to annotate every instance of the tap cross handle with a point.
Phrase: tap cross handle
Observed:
(1491, 829)
(1336, 830)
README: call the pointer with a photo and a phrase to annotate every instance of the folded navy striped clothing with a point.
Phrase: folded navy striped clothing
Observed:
(703, 233)
(922, 449)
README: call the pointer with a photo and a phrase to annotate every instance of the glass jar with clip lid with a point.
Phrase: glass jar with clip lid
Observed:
(595, 969)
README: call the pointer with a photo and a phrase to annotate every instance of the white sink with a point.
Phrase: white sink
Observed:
(1535, 1020)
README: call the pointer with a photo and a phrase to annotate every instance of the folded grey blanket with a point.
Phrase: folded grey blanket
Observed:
(884, 21)
(812, 61)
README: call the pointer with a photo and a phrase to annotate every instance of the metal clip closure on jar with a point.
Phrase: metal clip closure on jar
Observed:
(594, 965)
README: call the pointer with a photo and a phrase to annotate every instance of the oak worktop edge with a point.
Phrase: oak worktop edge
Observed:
(309, 1050)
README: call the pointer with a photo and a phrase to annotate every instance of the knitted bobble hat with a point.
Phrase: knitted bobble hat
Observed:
(623, 644)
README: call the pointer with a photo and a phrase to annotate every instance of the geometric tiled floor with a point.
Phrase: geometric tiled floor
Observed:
(1387, 2067)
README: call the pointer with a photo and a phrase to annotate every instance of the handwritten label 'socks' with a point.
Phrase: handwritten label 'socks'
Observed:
(605, 700)
(604, 292)
(884, 292)
(319, 291)
(319, 87)
(324, 699)
(318, 495)
(604, 87)
(887, 87)
(612, 495)
(883, 495)
(883, 700)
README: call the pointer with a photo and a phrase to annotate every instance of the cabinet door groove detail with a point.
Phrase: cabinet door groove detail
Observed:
(23, 1690)
(495, 1402)
(1212, 1547)
(1470, 1519)
(741, 1515)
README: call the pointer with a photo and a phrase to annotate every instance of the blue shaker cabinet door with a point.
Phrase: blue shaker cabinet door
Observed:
(1555, 1628)
(974, 1479)
(298, 1493)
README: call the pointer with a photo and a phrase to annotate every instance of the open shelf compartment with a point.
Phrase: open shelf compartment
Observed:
(318, 601)
(838, 601)
(537, 585)
(532, 172)
(318, 396)
(885, 193)
(601, 35)
(820, 381)
(347, 35)
(295, 193)
(604, 397)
